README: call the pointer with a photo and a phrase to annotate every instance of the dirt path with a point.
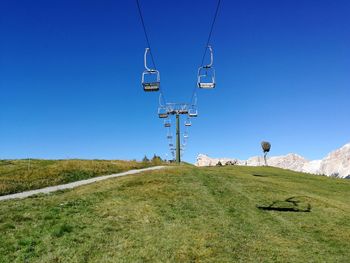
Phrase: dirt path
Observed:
(74, 184)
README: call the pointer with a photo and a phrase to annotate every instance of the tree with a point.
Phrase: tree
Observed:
(156, 160)
(145, 159)
(266, 146)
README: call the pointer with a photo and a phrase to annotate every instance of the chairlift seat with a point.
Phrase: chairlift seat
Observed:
(188, 123)
(151, 86)
(206, 85)
(163, 115)
(151, 80)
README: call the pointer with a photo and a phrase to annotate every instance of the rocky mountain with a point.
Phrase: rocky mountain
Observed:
(336, 163)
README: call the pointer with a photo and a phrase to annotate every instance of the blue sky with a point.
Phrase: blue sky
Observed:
(70, 77)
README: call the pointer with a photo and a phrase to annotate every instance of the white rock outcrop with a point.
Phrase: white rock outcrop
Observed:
(290, 161)
(312, 167)
(205, 160)
(336, 163)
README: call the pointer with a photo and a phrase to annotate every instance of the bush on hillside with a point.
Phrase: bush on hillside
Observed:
(231, 162)
(219, 163)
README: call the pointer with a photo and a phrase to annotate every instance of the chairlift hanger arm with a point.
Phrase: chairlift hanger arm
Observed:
(145, 60)
(160, 101)
(194, 100)
(211, 58)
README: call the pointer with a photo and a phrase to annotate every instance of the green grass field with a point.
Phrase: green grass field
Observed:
(184, 214)
(20, 175)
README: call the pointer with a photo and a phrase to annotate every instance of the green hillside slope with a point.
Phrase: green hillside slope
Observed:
(184, 214)
(21, 175)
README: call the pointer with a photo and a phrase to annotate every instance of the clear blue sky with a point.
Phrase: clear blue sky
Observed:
(70, 77)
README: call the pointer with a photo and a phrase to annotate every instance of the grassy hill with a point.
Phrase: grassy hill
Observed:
(21, 175)
(184, 214)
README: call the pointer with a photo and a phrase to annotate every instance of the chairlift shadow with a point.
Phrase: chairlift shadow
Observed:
(260, 175)
(291, 204)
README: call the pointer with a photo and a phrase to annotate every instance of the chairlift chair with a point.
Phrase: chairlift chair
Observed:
(188, 123)
(206, 74)
(185, 135)
(169, 135)
(150, 77)
(150, 80)
(206, 78)
(162, 112)
(192, 112)
(167, 123)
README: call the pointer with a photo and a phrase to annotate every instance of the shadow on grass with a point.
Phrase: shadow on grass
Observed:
(260, 175)
(291, 204)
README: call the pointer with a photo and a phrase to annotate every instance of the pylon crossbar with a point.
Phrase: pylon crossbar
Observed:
(177, 108)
